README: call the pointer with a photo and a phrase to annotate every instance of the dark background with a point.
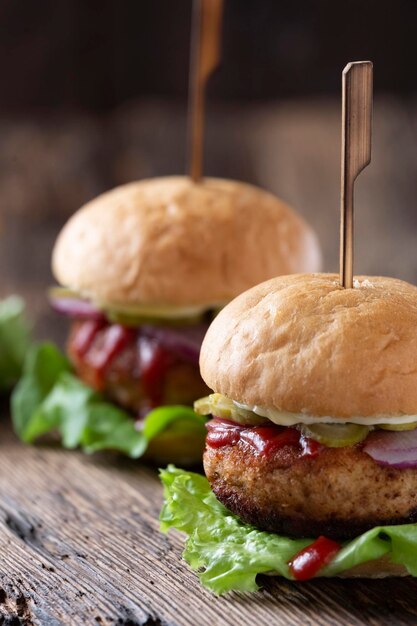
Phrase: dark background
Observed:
(95, 54)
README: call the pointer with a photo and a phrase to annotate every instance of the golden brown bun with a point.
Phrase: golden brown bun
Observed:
(306, 345)
(169, 241)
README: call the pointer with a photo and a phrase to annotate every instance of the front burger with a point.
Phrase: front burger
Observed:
(145, 267)
(312, 443)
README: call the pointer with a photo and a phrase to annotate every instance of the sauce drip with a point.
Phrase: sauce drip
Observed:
(96, 344)
(313, 558)
(154, 363)
(264, 439)
(86, 333)
(112, 341)
(222, 433)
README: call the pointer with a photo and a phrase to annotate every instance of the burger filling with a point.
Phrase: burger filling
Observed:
(389, 440)
(138, 368)
(139, 356)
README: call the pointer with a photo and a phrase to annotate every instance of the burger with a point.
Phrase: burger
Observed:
(311, 452)
(144, 268)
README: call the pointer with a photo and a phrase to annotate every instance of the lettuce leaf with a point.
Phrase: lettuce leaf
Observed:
(14, 341)
(228, 554)
(231, 553)
(49, 398)
(177, 418)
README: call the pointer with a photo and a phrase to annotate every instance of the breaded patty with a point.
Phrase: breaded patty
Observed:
(339, 493)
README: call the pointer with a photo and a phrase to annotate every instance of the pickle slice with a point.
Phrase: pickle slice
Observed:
(410, 426)
(219, 405)
(156, 311)
(335, 435)
(139, 314)
(63, 292)
(141, 320)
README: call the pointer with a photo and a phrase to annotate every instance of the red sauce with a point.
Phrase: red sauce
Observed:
(313, 558)
(154, 363)
(310, 447)
(114, 338)
(222, 433)
(85, 335)
(264, 439)
(95, 344)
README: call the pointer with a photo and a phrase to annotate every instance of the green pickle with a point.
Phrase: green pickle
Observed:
(138, 315)
(63, 292)
(335, 435)
(134, 320)
(410, 426)
(217, 404)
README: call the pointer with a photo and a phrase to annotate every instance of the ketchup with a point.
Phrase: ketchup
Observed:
(222, 433)
(313, 558)
(264, 439)
(310, 447)
(85, 335)
(95, 344)
(154, 363)
(115, 337)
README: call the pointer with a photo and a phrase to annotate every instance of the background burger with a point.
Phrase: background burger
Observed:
(312, 449)
(145, 267)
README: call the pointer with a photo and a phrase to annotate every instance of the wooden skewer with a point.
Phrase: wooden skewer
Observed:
(356, 152)
(205, 56)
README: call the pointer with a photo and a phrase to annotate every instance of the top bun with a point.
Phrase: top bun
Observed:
(170, 241)
(304, 344)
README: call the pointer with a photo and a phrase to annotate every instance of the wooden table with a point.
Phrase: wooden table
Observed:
(79, 540)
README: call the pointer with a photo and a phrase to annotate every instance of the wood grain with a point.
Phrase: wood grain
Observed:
(79, 540)
(205, 56)
(357, 98)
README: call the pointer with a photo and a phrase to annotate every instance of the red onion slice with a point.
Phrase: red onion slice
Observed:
(75, 307)
(222, 423)
(393, 448)
(185, 341)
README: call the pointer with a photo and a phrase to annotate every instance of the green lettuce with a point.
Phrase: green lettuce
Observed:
(176, 419)
(14, 341)
(228, 554)
(50, 398)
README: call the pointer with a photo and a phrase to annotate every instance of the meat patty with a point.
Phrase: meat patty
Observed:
(132, 370)
(340, 492)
